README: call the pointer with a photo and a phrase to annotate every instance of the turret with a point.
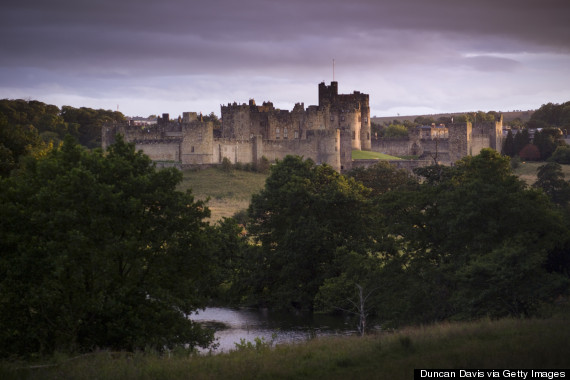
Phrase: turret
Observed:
(327, 94)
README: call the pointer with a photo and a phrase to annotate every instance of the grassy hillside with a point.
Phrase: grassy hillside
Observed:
(228, 192)
(509, 343)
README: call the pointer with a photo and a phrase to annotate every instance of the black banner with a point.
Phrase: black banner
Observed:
(524, 374)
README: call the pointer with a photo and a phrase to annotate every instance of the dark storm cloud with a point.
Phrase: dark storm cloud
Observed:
(103, 49)
(199, 36)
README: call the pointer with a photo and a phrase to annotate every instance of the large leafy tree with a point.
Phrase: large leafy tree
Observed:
(301, 217)
(99, 251)
(474, 241)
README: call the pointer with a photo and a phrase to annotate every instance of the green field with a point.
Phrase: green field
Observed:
(369, 155)
(527, 171)
(485, 344)
(228, 192)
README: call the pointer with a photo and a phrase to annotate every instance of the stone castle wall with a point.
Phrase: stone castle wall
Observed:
(462, 139)
(395, 147)
(326, 133)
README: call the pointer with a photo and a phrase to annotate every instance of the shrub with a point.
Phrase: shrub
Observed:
(530, 153)
(561, 154)
(226, 165)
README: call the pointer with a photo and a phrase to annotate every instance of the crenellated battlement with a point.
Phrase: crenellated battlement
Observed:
(326, 133)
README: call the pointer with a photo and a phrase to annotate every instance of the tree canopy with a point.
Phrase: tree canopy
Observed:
(301, 217)
(99, 250)
(551, 115)
(466, 241)
(28, 127)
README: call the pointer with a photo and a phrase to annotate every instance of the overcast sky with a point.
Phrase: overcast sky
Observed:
(170, 56)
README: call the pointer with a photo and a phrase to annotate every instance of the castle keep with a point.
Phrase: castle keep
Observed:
(326, 133)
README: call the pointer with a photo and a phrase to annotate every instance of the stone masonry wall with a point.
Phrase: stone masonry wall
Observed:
(160, 151)
(196, 146)
(398, 147)
(459, 140)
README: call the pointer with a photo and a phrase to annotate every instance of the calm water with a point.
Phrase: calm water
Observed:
(231, 325)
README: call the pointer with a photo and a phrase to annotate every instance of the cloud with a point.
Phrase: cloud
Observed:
(140, 47)
(491, 63)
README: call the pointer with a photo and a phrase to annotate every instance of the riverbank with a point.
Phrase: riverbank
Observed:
(507, 343)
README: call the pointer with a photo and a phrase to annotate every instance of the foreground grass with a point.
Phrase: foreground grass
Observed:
(509, 343)
(229, 192)
(369, 155)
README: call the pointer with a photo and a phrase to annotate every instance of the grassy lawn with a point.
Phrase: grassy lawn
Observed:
(228, 192)
(368, 155)
(485, 344)
(527, 171)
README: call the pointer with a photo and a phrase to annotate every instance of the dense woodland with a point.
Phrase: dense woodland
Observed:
(101, 251)
(29, 127)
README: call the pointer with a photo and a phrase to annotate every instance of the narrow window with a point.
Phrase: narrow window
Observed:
(285, 134)
(277, 133)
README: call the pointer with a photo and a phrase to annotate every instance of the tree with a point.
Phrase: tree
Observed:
(461, 251)
(382, 177)
(551, 180)
(395, 131)
(509, 145)
(88, 123)
(100, 251)
(16, 141)
(551, 115)
(521, 140)
(530, 152)
(298, 221)
(561, 154)
(547, 141)
(424, 120)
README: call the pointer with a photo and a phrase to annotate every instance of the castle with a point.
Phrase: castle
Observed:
(326, 133)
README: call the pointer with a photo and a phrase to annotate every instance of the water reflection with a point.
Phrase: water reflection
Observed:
(231, 325)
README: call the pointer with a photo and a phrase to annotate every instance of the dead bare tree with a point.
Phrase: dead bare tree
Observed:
(361, 307)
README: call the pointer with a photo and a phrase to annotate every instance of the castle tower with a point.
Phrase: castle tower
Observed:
(327, 94)
(365, 126)
(349, 112)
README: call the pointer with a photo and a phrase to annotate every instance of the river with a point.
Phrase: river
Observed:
(232, 325)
